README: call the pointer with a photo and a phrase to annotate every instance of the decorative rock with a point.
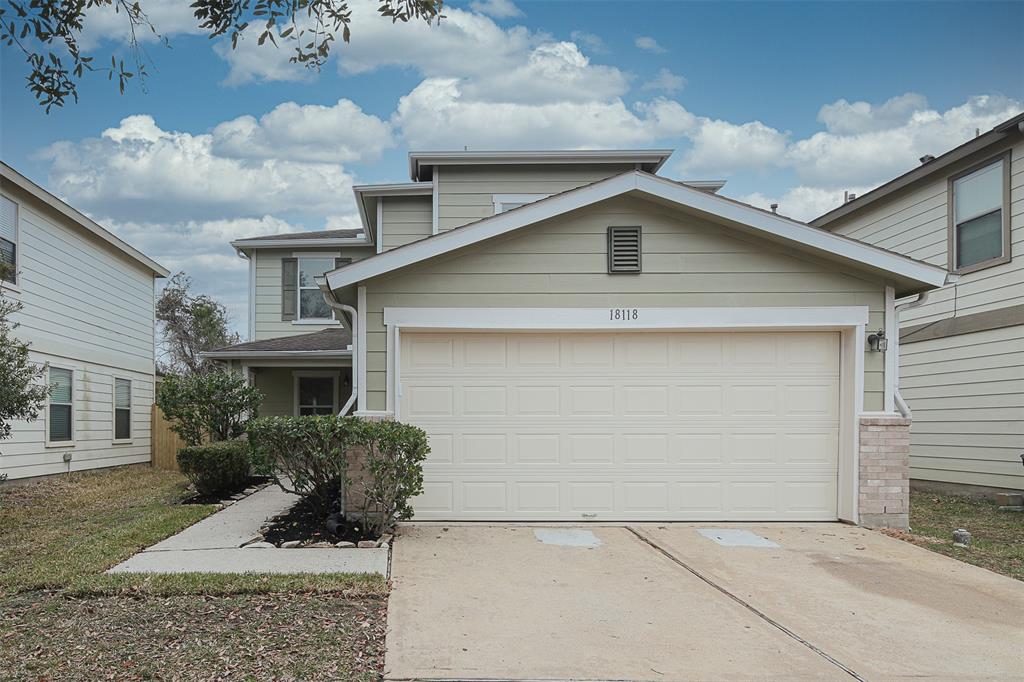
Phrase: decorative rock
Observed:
(1010, 499)
(385, 540)
(961, 538)
(290, 544)
(383, 545)
(367, 544)
(345, 544)
(320, 544)
(260, 545)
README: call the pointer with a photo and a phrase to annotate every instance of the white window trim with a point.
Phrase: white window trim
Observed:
(113, 410)
(850, 321)
(16, 286)
(302, 374)
(311, 321)
(46, 415)
(501, 199)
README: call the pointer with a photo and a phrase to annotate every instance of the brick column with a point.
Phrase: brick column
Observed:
(885, 472)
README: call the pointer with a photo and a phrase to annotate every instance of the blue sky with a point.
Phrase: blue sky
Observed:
(789, 102)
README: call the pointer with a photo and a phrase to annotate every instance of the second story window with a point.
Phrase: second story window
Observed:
(8, 240)
(311, 301)
(979, 227)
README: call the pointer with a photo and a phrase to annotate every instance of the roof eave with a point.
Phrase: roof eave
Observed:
(998, 134)
(9, 174)
(656, 158)
(272, 354)
(278, 243)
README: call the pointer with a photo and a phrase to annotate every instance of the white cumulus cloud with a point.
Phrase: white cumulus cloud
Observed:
(665, 81)
(499, 9)
(649, 44)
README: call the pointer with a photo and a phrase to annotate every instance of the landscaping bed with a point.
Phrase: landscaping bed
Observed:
(997, 537)
(306, 525)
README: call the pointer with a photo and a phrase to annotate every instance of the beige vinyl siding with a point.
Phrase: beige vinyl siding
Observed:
(915, 223)
(89, 308)
(967, 396)
(405, 219)
(562, 263)
(269, 324)
(466, 193)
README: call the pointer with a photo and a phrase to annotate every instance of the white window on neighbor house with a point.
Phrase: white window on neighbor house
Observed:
(8, 240)
(316, 393)
(61, 411)
(122, 409)
(506, 202)
(979, 230)
(311, 301)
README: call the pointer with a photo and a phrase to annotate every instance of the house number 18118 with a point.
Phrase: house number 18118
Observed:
(623, 314)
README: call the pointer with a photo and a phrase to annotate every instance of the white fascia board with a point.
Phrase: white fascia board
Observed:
(80, 219)
(299, 243)
(710, 204)
(569, 319)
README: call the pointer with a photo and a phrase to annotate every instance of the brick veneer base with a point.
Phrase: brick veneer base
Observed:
(884, 472)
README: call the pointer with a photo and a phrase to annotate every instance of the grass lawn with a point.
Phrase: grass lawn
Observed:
(61, 617)
(997, 537)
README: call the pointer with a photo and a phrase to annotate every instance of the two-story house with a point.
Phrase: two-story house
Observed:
(582, 338)
(961, 348)
(88, 315)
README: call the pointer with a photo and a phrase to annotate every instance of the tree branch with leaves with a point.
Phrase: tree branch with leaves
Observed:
(190, 324)
(23, 390)
(48, 34)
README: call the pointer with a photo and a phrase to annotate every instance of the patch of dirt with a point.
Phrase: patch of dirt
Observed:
(306, 523)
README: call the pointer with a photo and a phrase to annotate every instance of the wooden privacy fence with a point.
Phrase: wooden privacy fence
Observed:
(166, 443)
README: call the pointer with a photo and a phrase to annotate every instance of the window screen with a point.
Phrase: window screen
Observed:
(311, 302)
(978, 213)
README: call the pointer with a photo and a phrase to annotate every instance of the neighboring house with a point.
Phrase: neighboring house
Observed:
(583, 339)
(962, 350)
(89, 315)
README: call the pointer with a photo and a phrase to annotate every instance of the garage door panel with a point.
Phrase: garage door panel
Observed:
(625, 426)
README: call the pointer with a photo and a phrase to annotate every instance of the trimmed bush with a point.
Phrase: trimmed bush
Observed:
(306, 455)
(216, 468)
(213, 406)
(393, 463)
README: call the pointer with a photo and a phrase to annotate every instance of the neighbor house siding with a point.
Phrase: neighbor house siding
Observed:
(687, 262)
(405, 219)
(466, 193)
(965, 390)
(269, 324)
(967, 397)
(89, 308)
(915, 223)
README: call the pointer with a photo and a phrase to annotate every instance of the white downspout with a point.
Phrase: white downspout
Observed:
(351, 323)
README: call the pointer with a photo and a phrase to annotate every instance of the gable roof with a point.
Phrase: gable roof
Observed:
(912, 276)
(421, 164)
(999, 133)
(80, 219)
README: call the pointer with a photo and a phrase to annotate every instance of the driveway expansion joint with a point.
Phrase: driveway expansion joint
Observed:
(739, 600)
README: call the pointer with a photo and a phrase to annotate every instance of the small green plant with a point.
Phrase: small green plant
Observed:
(393, 461)
(211, 406)
(306, 455)
(216, 468)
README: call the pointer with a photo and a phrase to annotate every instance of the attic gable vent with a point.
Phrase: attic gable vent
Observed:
(624, 249)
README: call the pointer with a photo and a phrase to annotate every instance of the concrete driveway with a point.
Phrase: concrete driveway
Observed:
(664, 602)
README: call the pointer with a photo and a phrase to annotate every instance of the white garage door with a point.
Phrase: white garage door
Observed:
(625, 426)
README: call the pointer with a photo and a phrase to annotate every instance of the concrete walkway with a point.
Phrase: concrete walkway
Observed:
(214, 546)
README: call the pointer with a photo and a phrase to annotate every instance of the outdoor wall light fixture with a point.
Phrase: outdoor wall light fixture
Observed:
(877, 343)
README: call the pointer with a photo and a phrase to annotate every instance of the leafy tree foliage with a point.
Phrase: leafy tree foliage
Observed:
(214, 406)
(190, 324)
(22, 395)
(48, 33)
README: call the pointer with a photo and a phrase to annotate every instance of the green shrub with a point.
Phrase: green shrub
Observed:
(212, 406)
(216, 468)
(394, 472)
(306, 455)
(309, 456)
